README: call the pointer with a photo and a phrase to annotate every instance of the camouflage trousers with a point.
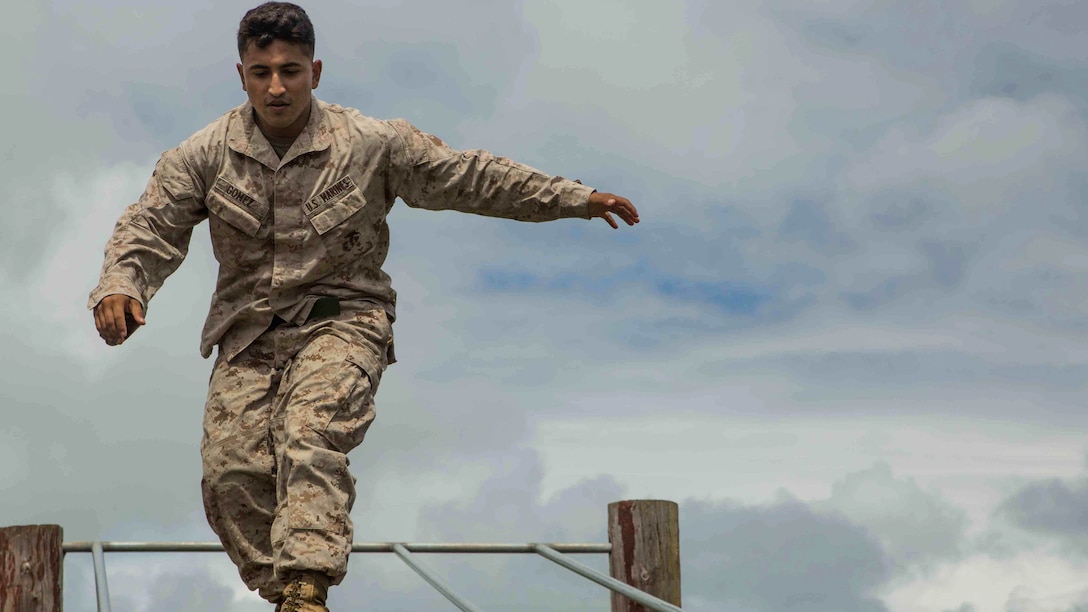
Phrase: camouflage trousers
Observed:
(278, 424)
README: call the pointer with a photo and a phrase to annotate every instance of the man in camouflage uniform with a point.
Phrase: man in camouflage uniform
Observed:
(296, 192)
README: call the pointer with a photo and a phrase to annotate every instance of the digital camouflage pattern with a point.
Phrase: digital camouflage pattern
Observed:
(287, 231)
(279, 422)
(287, 403)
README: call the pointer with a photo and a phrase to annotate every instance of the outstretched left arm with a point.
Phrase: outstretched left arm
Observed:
(604, 205)
(429, 174)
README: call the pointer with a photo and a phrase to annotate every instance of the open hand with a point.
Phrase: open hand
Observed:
(117, 317)
(604, 205)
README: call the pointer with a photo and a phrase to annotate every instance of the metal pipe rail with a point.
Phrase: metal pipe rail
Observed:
(556, 553)
(358, 547)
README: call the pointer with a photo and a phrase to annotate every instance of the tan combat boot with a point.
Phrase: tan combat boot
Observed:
(305, 592)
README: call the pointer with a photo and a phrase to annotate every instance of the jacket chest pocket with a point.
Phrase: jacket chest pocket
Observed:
(236, 208)
(334, 205)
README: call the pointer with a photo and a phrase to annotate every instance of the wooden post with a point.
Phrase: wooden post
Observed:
(31, 561)
(645, 537)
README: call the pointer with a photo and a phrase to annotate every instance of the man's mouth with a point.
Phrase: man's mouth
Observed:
(278, 104)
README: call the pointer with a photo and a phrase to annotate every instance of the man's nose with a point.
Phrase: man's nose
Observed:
(275, 86)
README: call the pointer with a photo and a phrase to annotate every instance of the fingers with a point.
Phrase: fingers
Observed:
(115, 322)
(608, 217)
(626, 211)
(98, 324)
(110, 318)
(137, 311)
(623, 208)
(604, 205)
(106, 328)
(134, 317)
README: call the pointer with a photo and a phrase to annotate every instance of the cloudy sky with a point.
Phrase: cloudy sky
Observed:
(848, 337)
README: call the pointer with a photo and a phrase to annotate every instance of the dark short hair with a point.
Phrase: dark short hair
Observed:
(275, 21)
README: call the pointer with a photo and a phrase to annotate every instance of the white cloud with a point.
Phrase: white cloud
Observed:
(13, 456)
(750, 453)
(1030, 582)
(63, 281)
(913, 525)
(986, 155)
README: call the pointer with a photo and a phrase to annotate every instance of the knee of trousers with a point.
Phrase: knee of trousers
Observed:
(331, 408)
(317, 490)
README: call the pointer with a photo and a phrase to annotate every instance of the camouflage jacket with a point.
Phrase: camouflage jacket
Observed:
(312, 224)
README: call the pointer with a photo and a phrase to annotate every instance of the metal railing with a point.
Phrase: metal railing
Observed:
(557, 553)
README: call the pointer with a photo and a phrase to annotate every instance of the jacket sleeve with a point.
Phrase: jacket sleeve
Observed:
(436, 177)
(152, 236)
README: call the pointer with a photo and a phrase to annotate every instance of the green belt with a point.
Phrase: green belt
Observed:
(323, 308)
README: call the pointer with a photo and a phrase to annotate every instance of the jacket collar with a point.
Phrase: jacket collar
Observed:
(246, 138)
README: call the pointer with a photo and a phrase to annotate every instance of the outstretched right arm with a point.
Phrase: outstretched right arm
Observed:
(149, 242)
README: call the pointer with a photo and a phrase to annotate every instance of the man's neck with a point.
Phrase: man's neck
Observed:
(280, 145)
(281, 140)
(292, 131)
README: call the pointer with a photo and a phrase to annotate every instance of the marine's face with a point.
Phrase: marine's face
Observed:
(278, 80)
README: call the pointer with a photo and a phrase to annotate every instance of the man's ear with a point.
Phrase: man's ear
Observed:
(242, 75)
(317, 74)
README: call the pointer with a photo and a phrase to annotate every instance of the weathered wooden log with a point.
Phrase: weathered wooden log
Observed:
(31, 564)
(645, 537)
